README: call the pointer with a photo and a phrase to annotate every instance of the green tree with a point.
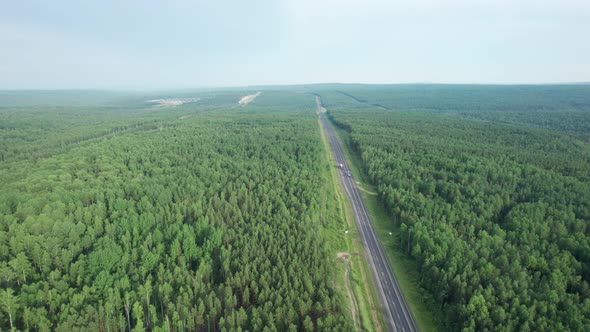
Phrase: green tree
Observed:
(10, 304)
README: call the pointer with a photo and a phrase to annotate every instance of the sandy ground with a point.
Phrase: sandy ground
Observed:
(248, 99)
(172, 101)
(320, 109)
(343, 255)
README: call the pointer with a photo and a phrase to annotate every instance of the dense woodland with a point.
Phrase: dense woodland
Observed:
(490, 189)
(118, 216)
(564, 108)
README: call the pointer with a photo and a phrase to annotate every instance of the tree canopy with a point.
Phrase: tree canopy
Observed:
(494, 213)
(200, 217)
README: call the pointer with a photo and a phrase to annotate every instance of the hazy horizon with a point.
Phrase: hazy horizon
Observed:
(267, 86)
(134, 45)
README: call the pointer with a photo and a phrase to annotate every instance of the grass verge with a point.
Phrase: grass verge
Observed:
(369, 314)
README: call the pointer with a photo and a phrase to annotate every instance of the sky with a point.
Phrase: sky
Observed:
(147, 44)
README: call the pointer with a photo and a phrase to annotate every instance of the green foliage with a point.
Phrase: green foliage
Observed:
(565, 108)
(495, 215)
(207, 222)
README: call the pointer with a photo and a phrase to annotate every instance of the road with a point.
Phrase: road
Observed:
(395, 309)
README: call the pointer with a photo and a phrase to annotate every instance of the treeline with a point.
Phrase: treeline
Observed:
(38, 124)
(565, 108)
(212, 224)
(495, 216)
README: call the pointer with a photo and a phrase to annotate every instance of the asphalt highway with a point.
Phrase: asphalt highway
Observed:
(395, 309)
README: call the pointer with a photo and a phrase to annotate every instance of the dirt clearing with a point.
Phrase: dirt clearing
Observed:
(248, 99)
(321, 108)
(172, 101)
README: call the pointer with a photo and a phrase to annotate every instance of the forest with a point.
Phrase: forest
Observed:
(489, 187)
(116, 215)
